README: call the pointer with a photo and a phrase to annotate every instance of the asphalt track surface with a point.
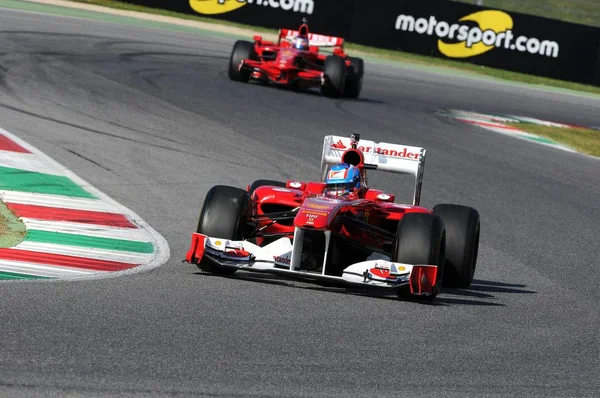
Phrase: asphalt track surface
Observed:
(150, 118)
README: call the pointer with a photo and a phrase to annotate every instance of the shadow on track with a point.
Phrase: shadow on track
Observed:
(480, 290)
(311, 92)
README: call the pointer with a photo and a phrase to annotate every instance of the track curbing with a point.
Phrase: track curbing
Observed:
(76, 231)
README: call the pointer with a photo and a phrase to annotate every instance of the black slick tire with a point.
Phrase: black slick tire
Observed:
(223, 216)
(421, 239)
(354, 78)
(462, 243)
(334, 69)
(241, 50)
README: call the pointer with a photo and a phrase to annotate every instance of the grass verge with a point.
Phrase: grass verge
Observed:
(12, 229)
(382, 53)
(582, 139)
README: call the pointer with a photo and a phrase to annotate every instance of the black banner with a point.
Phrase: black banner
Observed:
(328, 17)
(438, 28)
(494, 38)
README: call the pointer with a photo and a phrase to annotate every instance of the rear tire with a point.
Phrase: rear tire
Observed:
(335, 76)
(222, 216)
(421, 239)
(262, 183)
(241, 50)
(354, 79)
(462, 243)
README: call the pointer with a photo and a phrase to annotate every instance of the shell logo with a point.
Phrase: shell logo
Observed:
(212, 7)
(491, 22)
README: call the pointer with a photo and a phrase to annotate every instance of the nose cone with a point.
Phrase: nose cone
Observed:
(315, 214)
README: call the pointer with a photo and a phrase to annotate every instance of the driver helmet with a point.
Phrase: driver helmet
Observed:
(342, 180)
(300, 43)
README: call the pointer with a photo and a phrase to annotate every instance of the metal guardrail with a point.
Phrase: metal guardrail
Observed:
(586, 12)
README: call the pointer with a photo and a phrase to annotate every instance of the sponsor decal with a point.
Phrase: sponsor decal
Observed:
(285, 56)
(315, 39)
(338, 174)
(295, 184)
(397, 269)
(281, 190)
(383, 196)
(212, 7)
(339, 145)
(308, 213)
(239, 253)
(310, 218)
(282, 259)
(380, 271)
(399, 152)
(318, 207)
(493, 29)
(403, 153)
(218, 243)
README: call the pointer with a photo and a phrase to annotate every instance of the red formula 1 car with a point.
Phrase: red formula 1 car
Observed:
(295, 61)
(365, 238)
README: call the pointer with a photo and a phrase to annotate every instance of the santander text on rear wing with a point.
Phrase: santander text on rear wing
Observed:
(394, 158)
(313, 38)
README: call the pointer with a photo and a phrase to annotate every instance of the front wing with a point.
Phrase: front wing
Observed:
(278, 258)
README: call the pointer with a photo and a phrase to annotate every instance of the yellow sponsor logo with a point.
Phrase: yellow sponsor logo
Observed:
(212, 7)
(476, 34)
(493, 24)
(318, 206)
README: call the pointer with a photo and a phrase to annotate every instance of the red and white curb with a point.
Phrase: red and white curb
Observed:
(499, 124)
(74, 231)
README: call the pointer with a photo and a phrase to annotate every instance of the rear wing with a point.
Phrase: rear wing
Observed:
(399, 159)
(313, 38)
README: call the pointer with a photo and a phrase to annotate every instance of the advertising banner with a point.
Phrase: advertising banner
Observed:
(328, 17)
(489, 37)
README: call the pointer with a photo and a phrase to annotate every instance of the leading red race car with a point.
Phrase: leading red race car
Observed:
(340, 230)
(295, 61)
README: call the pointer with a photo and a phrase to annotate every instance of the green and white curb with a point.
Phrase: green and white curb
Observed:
(498, 124)
(74, 231)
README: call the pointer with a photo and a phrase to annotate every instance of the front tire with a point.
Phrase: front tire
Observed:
(462, 234)
(421, 239)
(334, 69)
(223, 215)
(241, 50)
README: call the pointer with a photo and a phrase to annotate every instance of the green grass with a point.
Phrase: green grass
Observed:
(586, 12)
(381, 53)
(12, 229)
(582, 139)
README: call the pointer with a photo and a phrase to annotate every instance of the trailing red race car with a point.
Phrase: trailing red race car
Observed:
(295, 61)
(339, 229)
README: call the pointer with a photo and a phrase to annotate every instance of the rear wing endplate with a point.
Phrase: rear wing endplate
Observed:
(393, 158)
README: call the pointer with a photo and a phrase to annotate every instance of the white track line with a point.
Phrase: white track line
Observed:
(23, 267)
(98, 231)
(61, 202)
